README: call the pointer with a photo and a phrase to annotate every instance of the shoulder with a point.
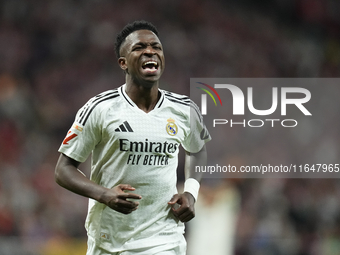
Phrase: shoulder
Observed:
(183, 103)
(177, 98)
(97, 104)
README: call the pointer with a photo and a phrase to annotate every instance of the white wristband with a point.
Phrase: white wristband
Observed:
(192, 186)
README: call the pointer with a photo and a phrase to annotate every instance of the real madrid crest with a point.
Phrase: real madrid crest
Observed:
(171, 127)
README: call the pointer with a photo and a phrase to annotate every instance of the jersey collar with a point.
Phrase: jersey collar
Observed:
(131, 103)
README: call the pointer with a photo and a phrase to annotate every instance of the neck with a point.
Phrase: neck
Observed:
(145, 97)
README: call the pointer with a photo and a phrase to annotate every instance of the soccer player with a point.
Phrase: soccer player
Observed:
(134, 133)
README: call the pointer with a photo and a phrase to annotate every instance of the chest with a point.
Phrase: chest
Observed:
(135, 131)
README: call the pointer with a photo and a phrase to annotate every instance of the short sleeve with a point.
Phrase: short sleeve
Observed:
(83, 136)
(198, 134)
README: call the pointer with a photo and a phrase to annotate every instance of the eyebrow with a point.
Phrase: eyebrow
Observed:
(143, 44)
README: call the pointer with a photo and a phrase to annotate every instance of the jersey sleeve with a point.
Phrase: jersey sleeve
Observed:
(83, 136)
(198, 134)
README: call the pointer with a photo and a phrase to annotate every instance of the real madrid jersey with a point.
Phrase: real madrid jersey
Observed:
(130, 146)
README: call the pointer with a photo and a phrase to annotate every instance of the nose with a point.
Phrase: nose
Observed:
(149, 50)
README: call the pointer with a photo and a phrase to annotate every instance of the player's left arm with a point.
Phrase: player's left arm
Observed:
(186, 211)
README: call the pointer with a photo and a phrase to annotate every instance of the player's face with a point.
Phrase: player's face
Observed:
(142, 56)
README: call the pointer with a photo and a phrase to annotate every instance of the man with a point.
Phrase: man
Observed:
(134, 133)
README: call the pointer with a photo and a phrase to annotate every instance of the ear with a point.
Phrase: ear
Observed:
(122, 63)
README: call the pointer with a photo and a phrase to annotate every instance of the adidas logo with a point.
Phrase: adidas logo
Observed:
(125, 127)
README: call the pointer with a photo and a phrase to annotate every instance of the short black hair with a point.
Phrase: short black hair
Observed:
(132, 27)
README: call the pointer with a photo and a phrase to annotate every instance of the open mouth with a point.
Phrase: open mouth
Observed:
(150, 65)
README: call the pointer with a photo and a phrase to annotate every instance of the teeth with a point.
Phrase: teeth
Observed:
(150, 62)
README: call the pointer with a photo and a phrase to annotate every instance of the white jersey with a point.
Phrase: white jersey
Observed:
(132, 147)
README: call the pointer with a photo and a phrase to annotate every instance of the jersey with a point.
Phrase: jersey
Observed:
(130, 146)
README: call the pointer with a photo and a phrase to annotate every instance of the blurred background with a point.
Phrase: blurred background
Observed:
(56, 54)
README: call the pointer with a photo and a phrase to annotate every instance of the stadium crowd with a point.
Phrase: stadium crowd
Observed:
(57, 54)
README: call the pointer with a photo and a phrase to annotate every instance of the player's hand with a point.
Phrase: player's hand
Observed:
(119, 200)
(186, 211)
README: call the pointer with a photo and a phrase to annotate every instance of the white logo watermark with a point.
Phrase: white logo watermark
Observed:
(239, 98)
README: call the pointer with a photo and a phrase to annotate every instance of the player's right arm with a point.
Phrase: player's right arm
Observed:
(81, 139)
(68, 176)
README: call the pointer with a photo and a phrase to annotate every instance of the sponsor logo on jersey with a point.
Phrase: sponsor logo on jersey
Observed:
(154, 153)
(147, 146)
(171, 127)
